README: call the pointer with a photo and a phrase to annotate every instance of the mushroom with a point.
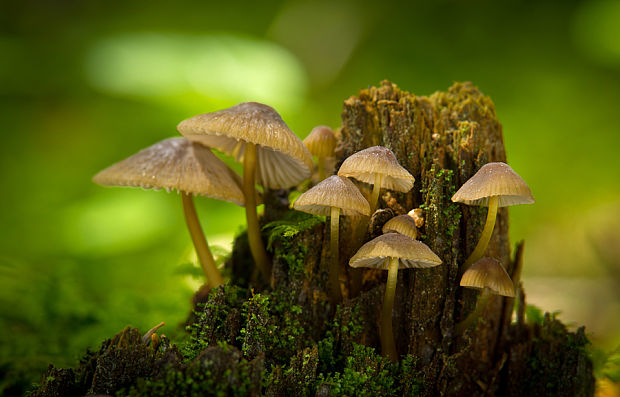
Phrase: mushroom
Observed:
(379, 167)
(321, 143)
(332, 197)
(191, 168)
(392, 251)
(403, 224)
(489, 275)
(494, 185)
(272, 155)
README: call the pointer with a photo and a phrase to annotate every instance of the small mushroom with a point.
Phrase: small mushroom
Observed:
(379, 167)
(392, 251)
(321, 143)
(488, 275)
(494, 185)
(403, 224)
(191, 168)
(272, 155)
(332, 197)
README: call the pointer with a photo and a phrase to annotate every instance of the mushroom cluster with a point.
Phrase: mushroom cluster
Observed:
(251, 132)
(275, 158)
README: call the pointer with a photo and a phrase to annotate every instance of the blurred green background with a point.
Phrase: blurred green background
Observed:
(84, 84)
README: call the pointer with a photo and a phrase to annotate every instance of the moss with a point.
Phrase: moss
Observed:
(365, 373)
(118, 364)
(281, 240)
(555, 355)
(217, 371)
(291, 225)
(218, 319)
(274, 325)
(444, 214)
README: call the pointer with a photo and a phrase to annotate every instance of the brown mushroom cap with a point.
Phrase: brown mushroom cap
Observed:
(176, 163)
(411, 253)
(283, 160)
(494, 179)
(365, 164)
(334, 191)
(321, 141)
(489, 273)
(403, 224)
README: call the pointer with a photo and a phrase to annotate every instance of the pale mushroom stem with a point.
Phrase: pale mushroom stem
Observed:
(388, 347)
(485, 237)
(256, 242)
(334, 269)
(214, 278)
(471, 319)
(320, 164)
(374, 197)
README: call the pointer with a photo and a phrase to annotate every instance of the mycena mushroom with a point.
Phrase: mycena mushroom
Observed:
(333, 197)
(191, 168)
(392, 251)
(487, 275)
(379, 167)
(272, 155)
(494, 185)
(321, 143)
(403, 224)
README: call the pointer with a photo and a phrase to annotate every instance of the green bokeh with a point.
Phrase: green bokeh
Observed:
(86, 84)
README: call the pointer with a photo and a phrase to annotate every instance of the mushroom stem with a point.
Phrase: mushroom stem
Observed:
(374, 197)
(485, 237)
(320, 164)
(388, 347)
(334, 269)
(256, 242)
(471, 319)
(214, 278)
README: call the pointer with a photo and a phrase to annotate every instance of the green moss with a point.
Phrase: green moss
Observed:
(274, 325)
(444, 214)
(288, 227)
(216, 320)
(281, 241)
(217, 371)
(365, 373)
(555, 353)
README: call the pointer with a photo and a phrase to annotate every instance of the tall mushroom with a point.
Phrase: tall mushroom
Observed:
(272, 155)
(392, 251)
(191, 168)
(494, 185)
(379, 167)
(321, 143)
(488, 275)
(332, 197)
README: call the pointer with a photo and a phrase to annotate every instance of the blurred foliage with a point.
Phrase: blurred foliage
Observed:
(86, 84)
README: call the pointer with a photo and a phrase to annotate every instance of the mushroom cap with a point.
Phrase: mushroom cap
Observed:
(403, 224)
(365, 164)
(176, 163)
(488, 273)
(494, 179)
(282, 159)
(410, 253)
(335, 191)
(321, 141)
